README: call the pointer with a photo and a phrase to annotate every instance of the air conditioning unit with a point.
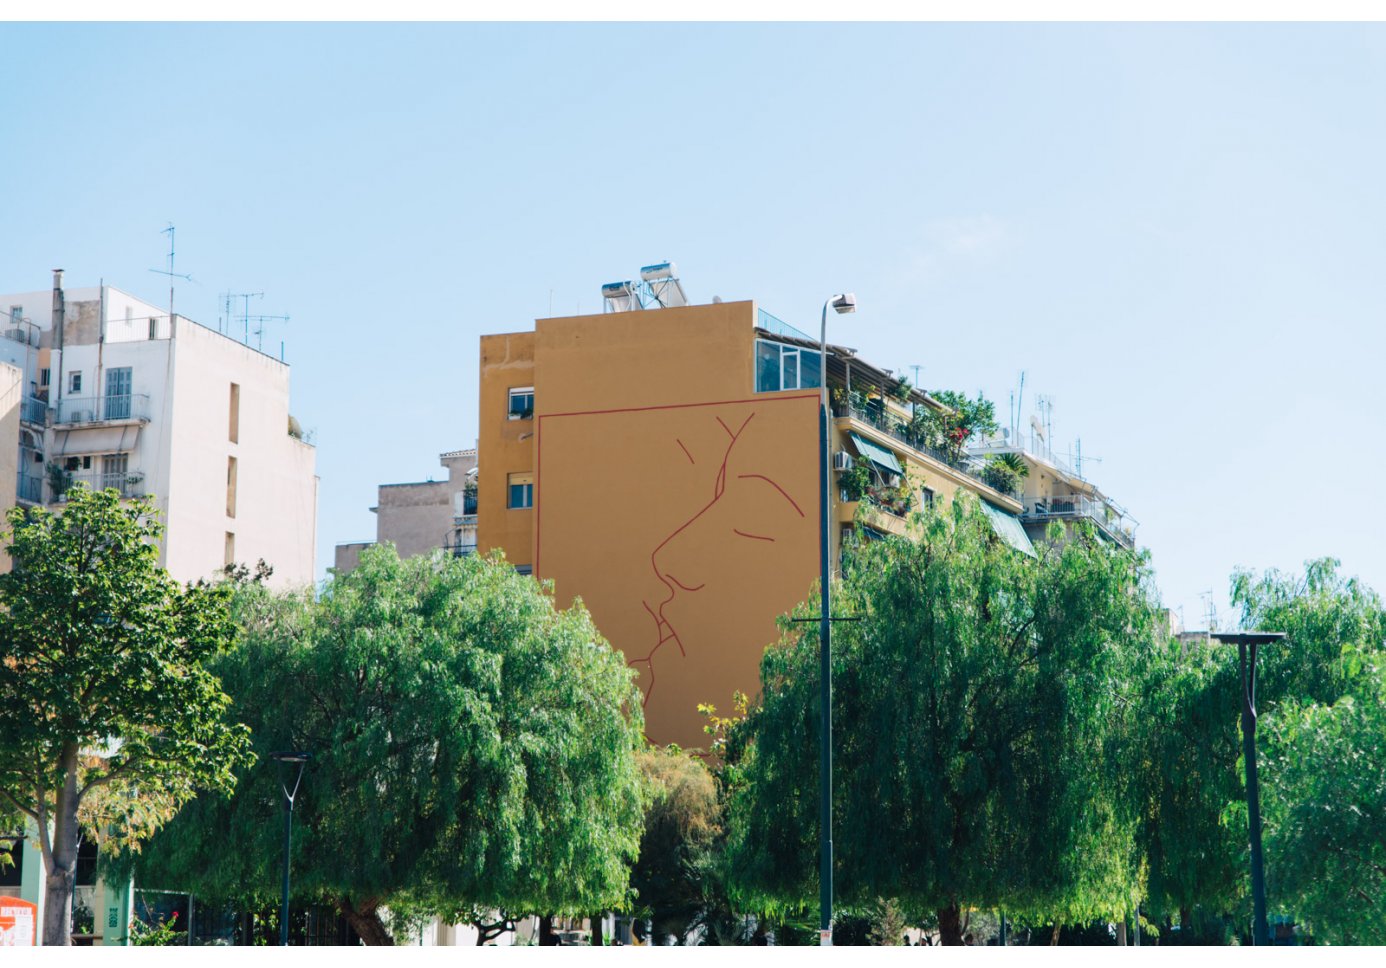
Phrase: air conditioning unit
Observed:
(81, 416)
(842, 461)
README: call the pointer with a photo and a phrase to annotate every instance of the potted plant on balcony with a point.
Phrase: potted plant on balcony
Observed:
(59, 480)
(855, 483)
(1004, 472)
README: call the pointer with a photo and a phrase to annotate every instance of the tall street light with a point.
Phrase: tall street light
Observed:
(301, 759)
(1260, 931)
(842, 303)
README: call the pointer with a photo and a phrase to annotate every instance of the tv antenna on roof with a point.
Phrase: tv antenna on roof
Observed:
(170, 273)
(260, 328)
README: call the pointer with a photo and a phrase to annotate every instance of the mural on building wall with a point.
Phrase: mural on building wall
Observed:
(708, 530)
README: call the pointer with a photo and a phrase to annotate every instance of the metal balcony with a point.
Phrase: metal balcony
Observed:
(117, 408)
(1118, 527)
(33, 411)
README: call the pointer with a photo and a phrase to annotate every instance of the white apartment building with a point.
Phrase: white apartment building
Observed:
(116, 393)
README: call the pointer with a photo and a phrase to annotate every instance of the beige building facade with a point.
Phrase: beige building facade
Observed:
(424, 516)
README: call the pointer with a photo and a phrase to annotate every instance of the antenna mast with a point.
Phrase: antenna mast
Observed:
(170, 273)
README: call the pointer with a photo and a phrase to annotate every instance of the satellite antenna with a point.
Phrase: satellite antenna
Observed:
(170, 273)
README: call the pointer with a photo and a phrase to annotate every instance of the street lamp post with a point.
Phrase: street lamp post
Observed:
(301, 759)
(842, 303)
(1260, 931)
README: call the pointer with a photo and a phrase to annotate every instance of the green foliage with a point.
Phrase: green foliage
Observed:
(160, 935)
(1325, 812)
(952, 429)
(856, 482)
(472, 749)
(1332, 624)
(1004, 472)
(1185, 760)
(109, 720)
(976, 704)
(682, 824)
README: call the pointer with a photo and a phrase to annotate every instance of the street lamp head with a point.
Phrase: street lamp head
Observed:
(292, 757)
(844, 303)
(1247, 638)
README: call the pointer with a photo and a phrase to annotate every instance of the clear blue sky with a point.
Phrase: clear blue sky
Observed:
(1177, 232)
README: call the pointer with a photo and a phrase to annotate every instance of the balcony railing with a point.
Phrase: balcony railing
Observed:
(1099, 512)
(892, 427)
(33, 410)
(30, 489)
(124, 406)
(128, 483)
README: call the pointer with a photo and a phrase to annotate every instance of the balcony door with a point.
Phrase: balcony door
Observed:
(118, 393)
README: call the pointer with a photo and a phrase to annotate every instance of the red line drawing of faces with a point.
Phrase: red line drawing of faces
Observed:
(664, 631)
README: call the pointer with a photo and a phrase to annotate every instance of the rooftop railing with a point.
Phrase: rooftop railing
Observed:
(773, 324)
(122, 406)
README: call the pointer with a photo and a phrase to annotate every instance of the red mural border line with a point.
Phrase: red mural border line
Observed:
(539, 444)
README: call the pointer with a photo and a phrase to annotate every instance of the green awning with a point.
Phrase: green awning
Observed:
(1009, 529)
(879, 456)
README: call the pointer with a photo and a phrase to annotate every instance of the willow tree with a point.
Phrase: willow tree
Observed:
(473, 749)
(978, 699)
(109, 719)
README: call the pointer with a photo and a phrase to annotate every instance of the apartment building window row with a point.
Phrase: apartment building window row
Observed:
(521, 403)
(783, 367)
(520, 491)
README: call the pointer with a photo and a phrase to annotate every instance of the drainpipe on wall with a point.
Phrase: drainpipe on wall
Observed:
(59, 325)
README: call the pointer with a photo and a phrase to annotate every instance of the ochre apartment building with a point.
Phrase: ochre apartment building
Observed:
(662, 465)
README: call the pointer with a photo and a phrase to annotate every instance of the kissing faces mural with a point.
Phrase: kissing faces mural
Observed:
(685, 530)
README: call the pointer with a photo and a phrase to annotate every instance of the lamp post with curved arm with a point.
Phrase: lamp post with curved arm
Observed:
(301, 758)
(841, 303)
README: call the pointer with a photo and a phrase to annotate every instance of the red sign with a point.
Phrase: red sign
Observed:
(18, 923)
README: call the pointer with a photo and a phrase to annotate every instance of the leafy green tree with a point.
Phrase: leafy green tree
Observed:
(472, 750)
(1183, 763)
(109, 720)
(974, 704)
(1325, 816)
(682, 823)
(1331, 624)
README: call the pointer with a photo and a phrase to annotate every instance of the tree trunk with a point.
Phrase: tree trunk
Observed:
(1185, 926)
(1054, 938)
(546, 936)
(950, 925)
(365, 921)
(1121, 934)
(597, 939)
(60, 859)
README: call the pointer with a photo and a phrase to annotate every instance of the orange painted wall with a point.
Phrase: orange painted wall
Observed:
(680, 505)
(504, 446)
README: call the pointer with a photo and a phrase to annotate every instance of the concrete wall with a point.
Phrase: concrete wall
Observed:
(276, 487)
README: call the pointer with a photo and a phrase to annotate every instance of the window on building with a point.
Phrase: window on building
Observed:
(927, 496)
(44, 377)
(118, 385)
(234, 430)
(524, 569)
(783, 367)
(74, 382)
(230, 487)
(521, 491)
(115, 471)
(521, 403)
(153, 327)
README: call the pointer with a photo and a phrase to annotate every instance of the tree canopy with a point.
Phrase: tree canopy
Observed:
(109, 719)
(978, 701)
(472, 750)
